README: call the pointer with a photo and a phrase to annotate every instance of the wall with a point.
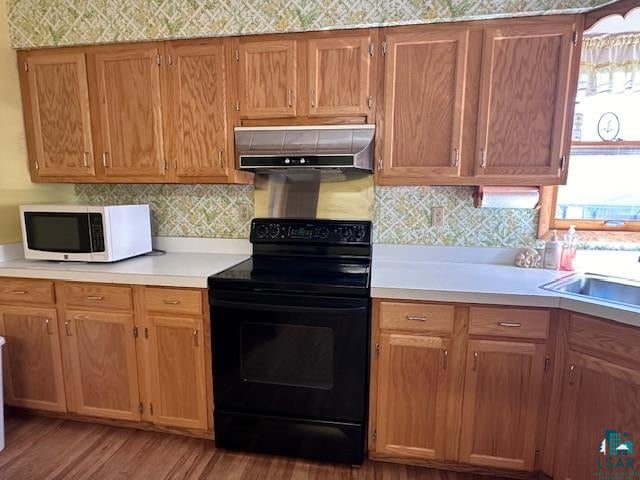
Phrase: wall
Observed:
(66, 22)
(15, 185)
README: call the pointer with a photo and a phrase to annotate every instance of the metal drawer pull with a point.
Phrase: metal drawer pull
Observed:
(94, 297)
(476, 357)
(19, 292)
(46, 326)
(196, 337)
(67, 327)
(417, 318)
(171, 302)
(509, 324)
(445, 359)
(572, 369)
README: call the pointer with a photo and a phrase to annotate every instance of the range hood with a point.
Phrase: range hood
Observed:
(342, 147)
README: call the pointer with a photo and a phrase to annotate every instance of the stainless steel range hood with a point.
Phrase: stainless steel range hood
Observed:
(342, 147)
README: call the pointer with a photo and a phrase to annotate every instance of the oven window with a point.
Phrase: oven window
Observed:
(282, 354)
(58, 232)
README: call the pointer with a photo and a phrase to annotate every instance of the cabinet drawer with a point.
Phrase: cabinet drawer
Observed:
(18, 290)
(605, 338)
(416, 317)
(509, 322)
(96, 296)
(173, 300)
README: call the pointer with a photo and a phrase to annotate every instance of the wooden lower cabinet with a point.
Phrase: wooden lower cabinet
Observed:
(503, 387)
(32, 363)
(103, 362)
(412, 396)
(176, 369)
(599, 396)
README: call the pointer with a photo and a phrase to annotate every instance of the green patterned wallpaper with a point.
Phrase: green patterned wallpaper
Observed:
(401, 214)
(38, 23)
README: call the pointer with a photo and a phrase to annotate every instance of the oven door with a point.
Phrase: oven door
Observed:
(290, 355)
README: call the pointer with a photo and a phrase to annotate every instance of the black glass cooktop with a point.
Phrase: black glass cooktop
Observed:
(298, 274)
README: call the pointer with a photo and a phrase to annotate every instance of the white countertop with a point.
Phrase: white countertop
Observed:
(174, 269)
(410, 273)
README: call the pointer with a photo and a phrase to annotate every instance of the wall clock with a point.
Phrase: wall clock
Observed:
(608, 126)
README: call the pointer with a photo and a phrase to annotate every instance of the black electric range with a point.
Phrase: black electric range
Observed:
(290, 335)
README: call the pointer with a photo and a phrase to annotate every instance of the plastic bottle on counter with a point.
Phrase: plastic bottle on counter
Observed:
(552, 251)
(569, 250)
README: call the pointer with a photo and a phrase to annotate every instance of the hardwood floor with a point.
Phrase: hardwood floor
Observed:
(44, 448)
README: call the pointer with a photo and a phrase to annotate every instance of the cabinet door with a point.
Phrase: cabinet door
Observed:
(501, 401)
(412, 396)
(601, 401)
(58, 114)
(424, 94)
(104, 369)
(198, 116)
(32, 362)
(339, 76)
(267, 79)
(524, 102)
(176, 349)
(128, 86)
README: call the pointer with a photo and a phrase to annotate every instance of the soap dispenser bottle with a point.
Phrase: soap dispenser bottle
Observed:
(552, 251)
(569, 249)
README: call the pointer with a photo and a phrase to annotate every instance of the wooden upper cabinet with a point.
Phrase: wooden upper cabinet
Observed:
(339, 76)
(32, 362)
(130, 111)
(525, 108)
(412, 396)
(267, 78)
(598, 396)
(57, 114)
(103, 364)
(502, 394)
(176, 363)
(198, 109)
(424, 94)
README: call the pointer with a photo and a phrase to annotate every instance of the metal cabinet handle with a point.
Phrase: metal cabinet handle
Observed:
(85, 159)
(221, 158)
(509, 324)
(19, 292)
(67, 327)
(196, 337)
(171, 302)
(94, 297)
(572, 369)
(456, 158)
(417, 318)
(313, 98)
(476, 358)
(46, 326)
(483, 158)
(290, 98)
(105, 163)
(445, 359)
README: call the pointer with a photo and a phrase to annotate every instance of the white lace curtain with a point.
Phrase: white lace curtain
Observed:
(610, 64)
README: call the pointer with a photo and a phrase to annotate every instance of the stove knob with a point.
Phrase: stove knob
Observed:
(287, 161)
(359, 233)
(261, 231)
(346, 233)
(323, 233)
(302, 161)
(274, 230)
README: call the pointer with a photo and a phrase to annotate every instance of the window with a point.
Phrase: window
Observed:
(603, 185)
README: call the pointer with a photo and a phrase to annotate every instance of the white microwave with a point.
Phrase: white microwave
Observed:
(82, 233)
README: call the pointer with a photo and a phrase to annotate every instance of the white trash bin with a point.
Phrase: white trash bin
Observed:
(2, 341)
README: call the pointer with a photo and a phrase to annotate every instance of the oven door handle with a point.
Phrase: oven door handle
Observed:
(285, 307)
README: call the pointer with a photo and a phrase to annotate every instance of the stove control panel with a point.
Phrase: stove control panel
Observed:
(312, 231)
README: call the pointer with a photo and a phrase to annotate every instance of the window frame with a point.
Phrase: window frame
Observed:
(549, 199)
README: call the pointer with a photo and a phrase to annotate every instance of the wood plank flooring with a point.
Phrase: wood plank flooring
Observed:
(44, 448)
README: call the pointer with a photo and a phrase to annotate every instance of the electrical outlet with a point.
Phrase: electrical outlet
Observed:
(437, 216)
(245, 213)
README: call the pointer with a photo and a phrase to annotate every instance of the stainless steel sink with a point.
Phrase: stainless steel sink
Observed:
(599, 287)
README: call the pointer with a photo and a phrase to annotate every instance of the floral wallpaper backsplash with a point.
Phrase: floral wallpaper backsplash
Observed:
(39, 23)
(401, 214)
(212, 211)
